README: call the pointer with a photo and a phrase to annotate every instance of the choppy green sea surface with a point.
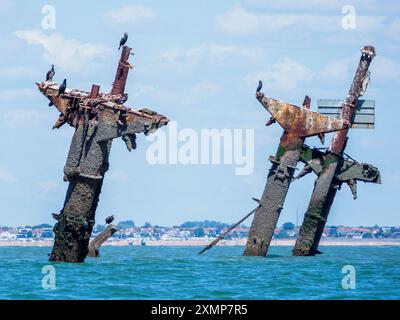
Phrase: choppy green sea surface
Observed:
(221, 273)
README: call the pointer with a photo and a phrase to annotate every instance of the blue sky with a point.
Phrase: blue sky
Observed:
(198, 63)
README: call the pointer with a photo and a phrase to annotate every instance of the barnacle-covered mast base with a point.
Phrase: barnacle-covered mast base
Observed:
(298, 123)
(333, 167)
(98, 119)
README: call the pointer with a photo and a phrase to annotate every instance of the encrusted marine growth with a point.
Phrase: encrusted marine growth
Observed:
(98, 119)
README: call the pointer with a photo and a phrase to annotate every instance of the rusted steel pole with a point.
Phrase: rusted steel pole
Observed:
(298, 123)
(122, 72)
(94, 93)
(97, 119)
(224, 234)
(327, 185)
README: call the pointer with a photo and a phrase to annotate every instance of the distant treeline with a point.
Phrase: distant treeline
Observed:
(204, 224)
(39, 226)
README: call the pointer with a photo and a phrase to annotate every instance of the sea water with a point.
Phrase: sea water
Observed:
(145, 272)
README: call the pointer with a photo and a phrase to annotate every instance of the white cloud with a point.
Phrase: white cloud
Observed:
(195, 96)
(21, 117)
(317, 5)
(20, 72)
(64, 53)
(240, 21)
(140, 89)
(15, 94)
(394, 28)
(368, 24)
(285, 74)
(199, 93)
(131, 14)
(336, 71)
(385, 70)
(373, 6)
(190, 57)
(205, 88)
(6, 175)
(46, 186)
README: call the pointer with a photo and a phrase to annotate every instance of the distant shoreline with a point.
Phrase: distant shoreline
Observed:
(203, 242)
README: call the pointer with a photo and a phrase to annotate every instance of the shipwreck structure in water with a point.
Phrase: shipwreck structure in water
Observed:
(332, 167)
(298, 123)
(97, 119)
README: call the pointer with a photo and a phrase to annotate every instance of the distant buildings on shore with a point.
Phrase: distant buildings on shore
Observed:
(39, 232)
(196, 230)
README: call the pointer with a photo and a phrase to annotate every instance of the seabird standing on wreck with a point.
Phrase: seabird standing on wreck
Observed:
(123, 99)
(123, 40)
(259, 87)
(62, 87)
(50, 74)
(271, 119)
(49, 77)
(109, 219)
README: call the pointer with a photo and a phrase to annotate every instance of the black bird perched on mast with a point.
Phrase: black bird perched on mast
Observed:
(50, 74)
(123, 40)
(109, 219)
(62, 87)
(123, 99)
(259, 86)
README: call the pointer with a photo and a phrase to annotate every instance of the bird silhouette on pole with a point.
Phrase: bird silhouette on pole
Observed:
(50, 74)
(123, 99)
(259, 87)
(123, 40)
(109, 219)
(62, 87)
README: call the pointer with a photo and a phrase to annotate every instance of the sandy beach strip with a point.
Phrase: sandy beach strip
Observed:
(204, 242)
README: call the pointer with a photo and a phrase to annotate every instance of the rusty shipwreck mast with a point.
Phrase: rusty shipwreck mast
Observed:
(332, 168)
(98, 119)
(298, 123)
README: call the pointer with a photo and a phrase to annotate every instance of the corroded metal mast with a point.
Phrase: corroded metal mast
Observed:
(298, 123)
(331, 167)
(122, 72)
(97, 119)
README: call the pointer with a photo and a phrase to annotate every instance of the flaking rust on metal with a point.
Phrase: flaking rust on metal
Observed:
(98, 119)
(298, 123)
